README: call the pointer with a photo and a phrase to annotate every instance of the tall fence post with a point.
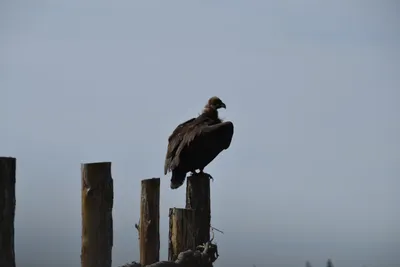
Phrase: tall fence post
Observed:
(181, 232)
(198, 199)
(97, 222)
(149, 225)
(7, 211)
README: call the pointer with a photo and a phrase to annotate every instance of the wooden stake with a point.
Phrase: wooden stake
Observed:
(97, 222)
(181, 232)
(7, 211)
(198, 198)
(149, 235)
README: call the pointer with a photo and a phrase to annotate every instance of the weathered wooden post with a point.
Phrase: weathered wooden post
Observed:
(181, 236)
(198, 199)
(7, 211)
(149, 225)
(97, 223)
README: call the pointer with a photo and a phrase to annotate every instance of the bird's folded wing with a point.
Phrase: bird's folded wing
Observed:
(219, 134)
(173, 142)
(179, 128)
(222, 133)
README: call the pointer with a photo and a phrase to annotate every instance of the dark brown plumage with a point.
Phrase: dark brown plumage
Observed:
(196, 142)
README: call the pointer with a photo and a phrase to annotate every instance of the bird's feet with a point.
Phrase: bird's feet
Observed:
(193, 173)
(207, 174)
(201, 172)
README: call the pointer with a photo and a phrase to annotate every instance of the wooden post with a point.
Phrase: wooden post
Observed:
(97, 223)
(198, 198)
(181, 236)
(149, 235)
(7, 211)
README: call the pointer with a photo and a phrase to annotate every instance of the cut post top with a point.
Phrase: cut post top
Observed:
(96, 163)
(151, 180)
(7, 158)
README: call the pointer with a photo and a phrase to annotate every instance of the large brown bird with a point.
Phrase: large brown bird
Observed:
(196, 142)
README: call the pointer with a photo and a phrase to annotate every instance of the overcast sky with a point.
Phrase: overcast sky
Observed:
(312, 88)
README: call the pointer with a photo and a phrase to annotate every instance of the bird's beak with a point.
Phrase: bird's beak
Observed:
(223, 105)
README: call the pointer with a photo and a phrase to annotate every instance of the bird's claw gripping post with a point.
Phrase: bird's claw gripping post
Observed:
(206, 174)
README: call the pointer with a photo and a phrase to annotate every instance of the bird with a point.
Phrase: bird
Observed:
(196, 142)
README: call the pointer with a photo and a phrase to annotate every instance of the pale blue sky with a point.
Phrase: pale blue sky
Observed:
(312, 172)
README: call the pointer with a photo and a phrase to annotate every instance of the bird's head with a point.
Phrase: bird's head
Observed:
(216, 103)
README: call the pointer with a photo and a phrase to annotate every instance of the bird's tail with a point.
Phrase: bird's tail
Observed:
(177, 178)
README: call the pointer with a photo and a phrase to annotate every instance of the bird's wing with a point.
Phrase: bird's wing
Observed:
(220, 133)
(173, 142)
(217, 136)
(181, 136)
(179, 127)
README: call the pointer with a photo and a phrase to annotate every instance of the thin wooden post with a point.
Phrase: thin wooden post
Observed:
(181, 236)
(149, 235)
(7, 211)
(198, 198)
(97, 222)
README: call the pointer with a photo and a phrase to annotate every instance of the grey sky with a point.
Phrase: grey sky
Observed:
(313, 169)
